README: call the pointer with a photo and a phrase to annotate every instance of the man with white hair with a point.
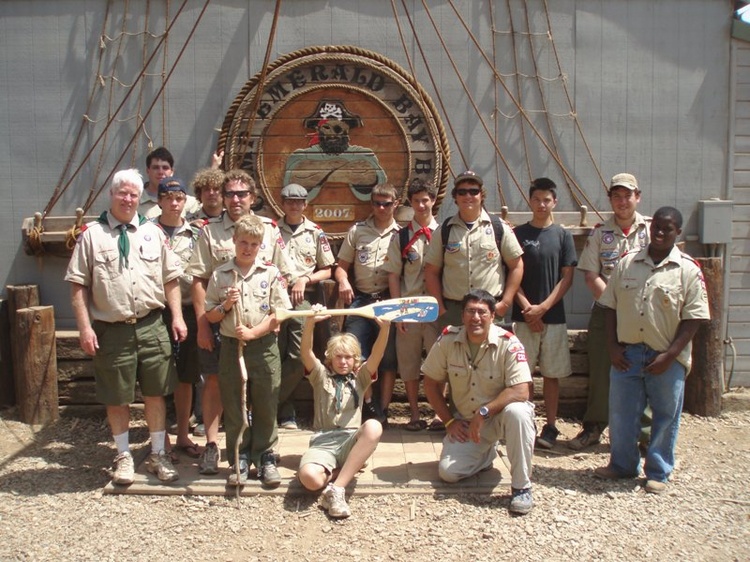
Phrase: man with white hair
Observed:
(121, 274)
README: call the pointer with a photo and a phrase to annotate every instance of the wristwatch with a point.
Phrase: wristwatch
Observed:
(484, 411)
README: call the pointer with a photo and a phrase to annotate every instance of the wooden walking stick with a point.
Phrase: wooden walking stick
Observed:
(243, 393)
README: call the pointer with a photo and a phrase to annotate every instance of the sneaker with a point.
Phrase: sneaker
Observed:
(655, 487)
(333, 500)
(123, 472)
(209, 463)
(547, 437)
(199, 430)
(232, 478)
(268, 473)
(288, 423)
(609, 473)
(521, 501)
(588, 437)
(159, 464)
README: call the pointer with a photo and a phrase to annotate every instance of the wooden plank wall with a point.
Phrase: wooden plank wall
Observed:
(738, 321)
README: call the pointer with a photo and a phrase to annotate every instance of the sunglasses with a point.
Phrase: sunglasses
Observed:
(239, 194)
(473, 191)
(383, 204)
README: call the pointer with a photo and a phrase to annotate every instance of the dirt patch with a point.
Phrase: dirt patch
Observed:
(52, 508)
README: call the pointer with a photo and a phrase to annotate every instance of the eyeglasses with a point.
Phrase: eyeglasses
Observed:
(479, 311)
(473, 191)
(383, 204)
(239, 194)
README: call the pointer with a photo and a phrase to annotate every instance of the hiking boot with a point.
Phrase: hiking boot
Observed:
(333, 500)
(232, 478)
(655, 487)
(160, 465)
(548, 437)
(521, 501)
(209, 463)
(123, 472)
(267, 472)
(588, 437)
(609, 473)
(288, 423)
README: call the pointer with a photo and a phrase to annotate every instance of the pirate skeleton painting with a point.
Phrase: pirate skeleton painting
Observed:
(330, 159)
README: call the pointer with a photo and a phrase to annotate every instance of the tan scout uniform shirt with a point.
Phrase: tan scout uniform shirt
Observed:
(499, 364)
(411, 270)
(307, 248)
(262, 291)
(367, 249)
(651, 300)
(471, 259)
(149, 205)
(182, 243)
(324, 393)
(116, 292)
(607, 243)
(216, 247)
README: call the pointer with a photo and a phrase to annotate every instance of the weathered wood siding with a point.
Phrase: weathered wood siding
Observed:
(649, 82)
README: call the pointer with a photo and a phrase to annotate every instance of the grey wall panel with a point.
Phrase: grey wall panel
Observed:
(648, 80)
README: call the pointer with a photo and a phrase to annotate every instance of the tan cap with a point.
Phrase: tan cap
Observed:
(624, 180)
(294, 191)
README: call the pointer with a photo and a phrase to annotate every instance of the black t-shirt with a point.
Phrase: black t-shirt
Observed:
(545, 252)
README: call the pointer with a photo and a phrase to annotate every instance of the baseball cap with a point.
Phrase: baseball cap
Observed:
(294, 191)
(171, 184)
(624, 180)
(468, 175)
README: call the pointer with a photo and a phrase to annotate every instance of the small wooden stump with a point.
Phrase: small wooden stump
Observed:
(35, 364)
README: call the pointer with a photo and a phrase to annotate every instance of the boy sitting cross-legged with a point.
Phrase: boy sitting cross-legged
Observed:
(341, 446)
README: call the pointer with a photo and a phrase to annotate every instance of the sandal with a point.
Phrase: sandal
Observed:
(193, 450)
(436, 425)
(415, 425)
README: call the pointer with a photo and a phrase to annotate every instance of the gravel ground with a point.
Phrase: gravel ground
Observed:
(52, 508)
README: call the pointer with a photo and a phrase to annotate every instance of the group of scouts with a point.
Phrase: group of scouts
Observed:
(170, 289)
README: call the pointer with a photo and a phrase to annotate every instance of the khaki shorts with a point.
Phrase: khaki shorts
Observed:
(128, 353)
(548, 348)
(419, 336)
(330, 448)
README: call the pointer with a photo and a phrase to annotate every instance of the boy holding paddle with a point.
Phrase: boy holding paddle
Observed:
(342, 443)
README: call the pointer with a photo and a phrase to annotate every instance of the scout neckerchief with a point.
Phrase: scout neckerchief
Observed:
(341, 381)
(427, 234)
(123, 243)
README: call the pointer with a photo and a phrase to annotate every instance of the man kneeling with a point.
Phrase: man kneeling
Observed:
(490, 389)
(341, 446)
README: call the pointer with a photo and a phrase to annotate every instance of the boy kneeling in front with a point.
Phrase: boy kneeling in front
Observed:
(341, 446)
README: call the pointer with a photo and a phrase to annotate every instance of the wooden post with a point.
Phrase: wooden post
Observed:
(35, 364)
(19, 296)
(7, 386)
(704, 385)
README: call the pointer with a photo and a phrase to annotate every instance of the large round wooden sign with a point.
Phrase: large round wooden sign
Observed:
(338, 121)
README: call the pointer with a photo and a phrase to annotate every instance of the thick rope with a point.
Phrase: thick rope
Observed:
(519, 91)
(91, 199)
(487, 131)
(544, 104)
(496, 112)
(443, 147)
(255, 102)
(570, 104)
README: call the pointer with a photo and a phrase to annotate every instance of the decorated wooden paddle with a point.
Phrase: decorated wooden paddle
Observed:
(407, 309)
